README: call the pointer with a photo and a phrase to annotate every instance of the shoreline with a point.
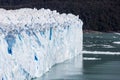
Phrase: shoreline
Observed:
(92, 31)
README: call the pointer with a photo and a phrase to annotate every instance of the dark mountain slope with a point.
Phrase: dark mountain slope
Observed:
(99, 15)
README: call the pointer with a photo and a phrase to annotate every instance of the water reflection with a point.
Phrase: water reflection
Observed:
(108, 68)
(65, 71)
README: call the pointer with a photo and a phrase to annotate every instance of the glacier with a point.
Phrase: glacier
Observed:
(32, 41)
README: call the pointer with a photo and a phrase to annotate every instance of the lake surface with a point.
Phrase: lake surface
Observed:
(101, 60)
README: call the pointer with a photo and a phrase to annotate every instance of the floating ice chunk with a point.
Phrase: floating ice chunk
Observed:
(117, 33)
(116, 42)
(108, 46)
(91, 58)
(101, 52)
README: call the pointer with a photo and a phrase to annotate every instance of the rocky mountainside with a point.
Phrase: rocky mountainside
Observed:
(98, 15)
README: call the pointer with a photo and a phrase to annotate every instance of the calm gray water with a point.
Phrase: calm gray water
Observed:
(93, 66)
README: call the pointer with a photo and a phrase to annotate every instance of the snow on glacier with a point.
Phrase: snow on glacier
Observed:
(32, 41)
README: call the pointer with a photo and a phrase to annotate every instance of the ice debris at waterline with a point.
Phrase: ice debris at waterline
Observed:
(32, 41)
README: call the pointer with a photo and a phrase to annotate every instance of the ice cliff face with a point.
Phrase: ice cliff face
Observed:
(32, 41)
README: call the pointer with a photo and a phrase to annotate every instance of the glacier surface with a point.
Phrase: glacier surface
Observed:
(32, 41)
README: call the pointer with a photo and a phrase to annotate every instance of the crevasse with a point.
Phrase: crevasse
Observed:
(32, 41)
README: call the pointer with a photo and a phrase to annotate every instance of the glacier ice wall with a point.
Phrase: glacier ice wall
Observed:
(32, 41)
